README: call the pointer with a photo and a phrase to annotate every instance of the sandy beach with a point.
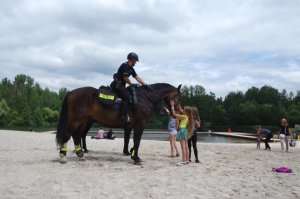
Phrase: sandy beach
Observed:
(29, 168)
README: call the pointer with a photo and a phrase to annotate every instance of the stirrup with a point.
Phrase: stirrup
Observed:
(128, 118)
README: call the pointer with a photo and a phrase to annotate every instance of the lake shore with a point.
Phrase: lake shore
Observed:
(30, 168)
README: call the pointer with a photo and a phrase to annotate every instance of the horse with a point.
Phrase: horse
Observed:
(158, 108)
(80, 109)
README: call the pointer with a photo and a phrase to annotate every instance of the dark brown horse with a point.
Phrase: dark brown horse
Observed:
(80, 109)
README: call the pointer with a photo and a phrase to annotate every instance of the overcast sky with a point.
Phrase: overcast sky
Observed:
(224, 46)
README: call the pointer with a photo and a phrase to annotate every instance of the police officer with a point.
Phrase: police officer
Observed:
(121, 78)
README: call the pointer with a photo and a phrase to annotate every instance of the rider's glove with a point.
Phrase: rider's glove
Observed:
(147, 87)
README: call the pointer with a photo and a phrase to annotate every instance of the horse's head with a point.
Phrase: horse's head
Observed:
(174, 95)
(162, 92)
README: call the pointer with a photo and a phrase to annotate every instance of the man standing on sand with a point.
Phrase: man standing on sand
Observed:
(267, 134)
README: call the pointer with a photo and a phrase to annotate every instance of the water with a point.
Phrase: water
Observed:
(163, 136)
(204, 137)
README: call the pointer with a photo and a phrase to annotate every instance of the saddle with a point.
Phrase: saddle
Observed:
(106, 96)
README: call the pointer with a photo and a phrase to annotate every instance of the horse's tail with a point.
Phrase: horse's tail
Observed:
(63, 135)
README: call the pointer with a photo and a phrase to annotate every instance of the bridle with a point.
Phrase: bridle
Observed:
(176, 99)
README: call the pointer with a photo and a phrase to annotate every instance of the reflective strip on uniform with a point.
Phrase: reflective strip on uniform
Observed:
(110, 97)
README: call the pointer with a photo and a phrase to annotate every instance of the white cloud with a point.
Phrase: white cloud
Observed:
(221, 45)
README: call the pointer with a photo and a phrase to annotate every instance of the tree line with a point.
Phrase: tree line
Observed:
(24, 103)
(257, 106)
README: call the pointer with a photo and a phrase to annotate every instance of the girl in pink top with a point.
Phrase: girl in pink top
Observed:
(100, 134)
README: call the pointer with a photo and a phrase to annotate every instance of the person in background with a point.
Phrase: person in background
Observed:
(100, 134)
(110, 135)
(259, 137)
(172, 131)
(193, 140)
(267, 134)
(284, 135)
(185, 128)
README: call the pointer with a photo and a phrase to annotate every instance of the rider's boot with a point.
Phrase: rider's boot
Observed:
(124, 116)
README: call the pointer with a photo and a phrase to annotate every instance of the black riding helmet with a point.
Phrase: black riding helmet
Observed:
(133, 55)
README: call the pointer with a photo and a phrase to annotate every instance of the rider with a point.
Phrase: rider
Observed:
(121, 78)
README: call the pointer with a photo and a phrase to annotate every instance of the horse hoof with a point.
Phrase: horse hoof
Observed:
(82, 159)
(63, 160)
(136, 159)
(126, 153)
(86, 151)
(137, 163)
(80, 153)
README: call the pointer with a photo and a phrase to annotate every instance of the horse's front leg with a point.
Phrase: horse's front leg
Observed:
(138, 132)
(127, 132)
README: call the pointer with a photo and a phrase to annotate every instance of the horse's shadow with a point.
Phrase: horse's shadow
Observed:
(106, 156)
(99, 156)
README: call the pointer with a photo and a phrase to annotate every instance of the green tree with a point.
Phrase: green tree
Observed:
(252, 95)
(3, 112)
(219, 115)
(268, 95)
(62, 93)
(248, 113)
(297, 97)
(14, 118)
(232, 104)
(38, 118)
(265, 114)
(6, 91)
(50, 116)
(293, 114)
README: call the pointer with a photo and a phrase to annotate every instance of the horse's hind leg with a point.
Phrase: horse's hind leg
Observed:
(63, 154)
(77, 139)
(86, 130)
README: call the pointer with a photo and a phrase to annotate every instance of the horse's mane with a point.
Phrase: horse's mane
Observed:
(154, 87)
(160, 85)
(154, 94)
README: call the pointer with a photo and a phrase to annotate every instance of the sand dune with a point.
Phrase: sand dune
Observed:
(29, 168)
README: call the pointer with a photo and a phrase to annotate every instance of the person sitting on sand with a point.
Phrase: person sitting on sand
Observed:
(185, 129)
(284, 135)
(172, 131)
(267, 134)
(110, 135)
(100, 134)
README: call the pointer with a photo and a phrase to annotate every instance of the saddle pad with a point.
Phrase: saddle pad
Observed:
(106, 96)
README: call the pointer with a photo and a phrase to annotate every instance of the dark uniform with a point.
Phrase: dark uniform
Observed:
(268, 135)
(118, 86)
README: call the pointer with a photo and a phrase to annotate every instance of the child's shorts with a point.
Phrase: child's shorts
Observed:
(182, 134)
(174, 132)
